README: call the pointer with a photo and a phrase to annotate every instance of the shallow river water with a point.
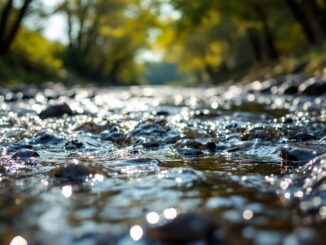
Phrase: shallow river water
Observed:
(159, 165)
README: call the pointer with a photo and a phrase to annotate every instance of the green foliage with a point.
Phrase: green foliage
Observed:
(215, 37)
(207, 39)
(106, 37)
(32, 58)
(33, 49)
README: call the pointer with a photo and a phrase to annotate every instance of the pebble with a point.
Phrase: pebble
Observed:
(188, 227)
(73, 145)
(47, 139)
(56, 111)
(308, 181)
(71, 173)
(313, 86)
(25, 154)
(116, 137)
(267, 134)
(294, 155)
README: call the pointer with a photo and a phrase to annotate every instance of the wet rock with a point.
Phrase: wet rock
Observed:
(151, 145)
(302, 136)
(73, 145)
(211, 146)
(189, 143)
(290, 85)
(150, 128)
(190, 153)
(185, 228)
(47, 139)
(172, 139)
(297, 155)
(71, 174)
(306, 189)
(263, 87)
(267, 134)
(17, 147)
(116, 137)
(56, 111)
(23, 154)
(288, 88)
(162, 113)
(287, 120)
(193, 148)
(28, 157)
(313, 86)
(90, 127)
(322, 141)
(191, 133)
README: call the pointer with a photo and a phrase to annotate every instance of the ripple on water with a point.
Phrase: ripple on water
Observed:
(114, 165)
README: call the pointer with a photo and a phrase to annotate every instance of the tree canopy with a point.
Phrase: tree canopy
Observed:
(205, 39)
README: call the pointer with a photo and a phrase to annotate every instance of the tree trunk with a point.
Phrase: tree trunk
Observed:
(210, 72)
(270, 44)
(253, 36)
(4, 21)
(312, 15)
(69, 24)
(318, 14)
(82, 15)
(300, 16)
(12, 33)
(117, 64)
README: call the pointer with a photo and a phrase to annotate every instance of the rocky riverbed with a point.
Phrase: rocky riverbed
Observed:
(160, 165)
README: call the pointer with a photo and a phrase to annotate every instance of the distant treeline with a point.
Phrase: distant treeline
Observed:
(214, 37)
(205, 39)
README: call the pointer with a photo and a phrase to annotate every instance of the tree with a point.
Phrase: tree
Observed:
(105, 36)
(10, 22)
(311, 18)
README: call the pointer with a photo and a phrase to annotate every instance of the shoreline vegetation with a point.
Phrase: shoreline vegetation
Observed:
(310, 63)
(204, 43)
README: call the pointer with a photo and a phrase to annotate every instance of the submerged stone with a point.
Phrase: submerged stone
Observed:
(47, 139)
(189, 143)
(297, 155)
(116, 138)
(73, 145)
(313, 86)
(17, 147)
(27, 157)
(302, 136)
(151, 145)
(211, 146)
(56, 111)
(267, 134)
(71, 174)
(90, 127)
(305, 188)
(188, 227)
(190, 153)
(153, 128)
(25, 154)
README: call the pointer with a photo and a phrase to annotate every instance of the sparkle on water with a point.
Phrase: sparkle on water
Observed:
(18, 240)
(144, 155)
(66, 191)
(136, 232)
